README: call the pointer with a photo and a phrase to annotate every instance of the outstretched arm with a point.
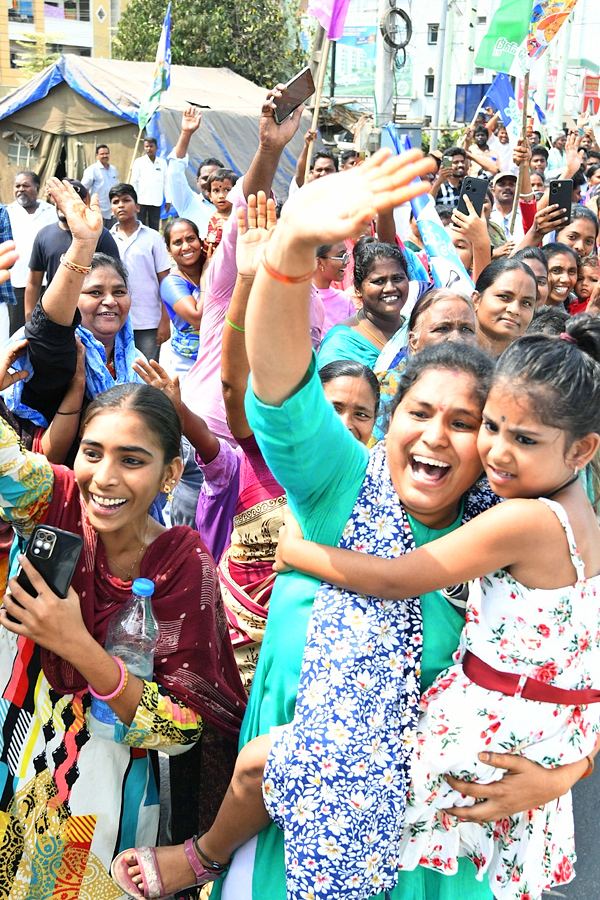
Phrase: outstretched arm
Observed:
(272, 138)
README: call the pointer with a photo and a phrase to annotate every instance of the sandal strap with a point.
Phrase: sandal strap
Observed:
(212, 869)
(152, 884)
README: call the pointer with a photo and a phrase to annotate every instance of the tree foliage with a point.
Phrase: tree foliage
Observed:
(36, 52)
(259, 39)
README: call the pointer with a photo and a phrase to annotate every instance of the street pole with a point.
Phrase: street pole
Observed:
(447, 68)
(561, 75)
(440, 74)
(384, 74)
(470, 26)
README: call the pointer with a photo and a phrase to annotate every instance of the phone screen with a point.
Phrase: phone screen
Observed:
(299, 89)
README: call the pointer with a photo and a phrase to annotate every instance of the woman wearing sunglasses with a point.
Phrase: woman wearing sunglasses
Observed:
(332, 260)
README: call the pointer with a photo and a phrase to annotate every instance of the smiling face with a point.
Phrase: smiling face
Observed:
(184, 245)
(505, 309)
(104, 304)
(459, 166)
(447, 320)
(333, 266)
(120, 468)
(503, 135)
(522, 456)
(384, 292)
(353, 400)
(562, 277)
(432, 445)
(580, 234)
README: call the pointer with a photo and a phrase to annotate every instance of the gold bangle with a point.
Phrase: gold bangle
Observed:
(75, 267)
(285, 279)
(590, 768)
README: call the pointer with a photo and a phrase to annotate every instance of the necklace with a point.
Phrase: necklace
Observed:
(368, 330)
(132, 567)
(562, 487)
(190, 279)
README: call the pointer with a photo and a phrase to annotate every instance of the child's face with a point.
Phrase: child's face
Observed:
(124, 208)
(218, 195)
(522, 456)
(587, 279)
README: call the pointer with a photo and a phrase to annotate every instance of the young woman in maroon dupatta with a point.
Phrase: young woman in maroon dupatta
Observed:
(70, 799)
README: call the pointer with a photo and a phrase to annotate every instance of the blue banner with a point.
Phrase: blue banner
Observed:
(501, 95)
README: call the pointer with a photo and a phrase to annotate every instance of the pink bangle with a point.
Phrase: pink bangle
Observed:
(119, 688)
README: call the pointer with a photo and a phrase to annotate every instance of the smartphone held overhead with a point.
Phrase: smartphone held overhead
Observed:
(297, 90)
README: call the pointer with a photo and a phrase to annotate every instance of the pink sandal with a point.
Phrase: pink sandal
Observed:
(152, 887)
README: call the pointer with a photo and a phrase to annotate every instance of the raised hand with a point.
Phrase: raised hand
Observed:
(471, 226)
(548, 219)
(270, 133)
(153, 374)
(7, 357)
(8, 257)
(85, 222)
(254, 232)
(333, 208)
(190, 121)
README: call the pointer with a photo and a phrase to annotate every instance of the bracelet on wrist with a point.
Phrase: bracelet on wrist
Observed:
(231, 324)
(74, 267)
(72, 412)
(590, 767)
(119, 688)
(285, 279)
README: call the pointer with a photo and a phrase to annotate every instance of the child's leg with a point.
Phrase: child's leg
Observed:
(242, 815)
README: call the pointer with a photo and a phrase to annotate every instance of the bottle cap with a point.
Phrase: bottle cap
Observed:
(143, 587)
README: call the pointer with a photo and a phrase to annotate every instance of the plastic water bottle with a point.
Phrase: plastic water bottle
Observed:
(132, 636)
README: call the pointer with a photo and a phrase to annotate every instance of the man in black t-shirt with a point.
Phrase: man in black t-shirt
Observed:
(49, 245)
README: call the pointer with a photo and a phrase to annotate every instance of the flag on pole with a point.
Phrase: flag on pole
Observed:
(505, 35)
(547, 18)
(331, 15)
(502, 96)
(162, 73)
(444, 262)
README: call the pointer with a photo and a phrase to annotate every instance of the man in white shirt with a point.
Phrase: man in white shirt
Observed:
(27, 216)
(144, 255)
(557, 157)
(149, 178)
(503, 188)
(188, 204)
(99, 178)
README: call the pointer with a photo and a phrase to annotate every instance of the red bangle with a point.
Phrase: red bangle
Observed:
(590, 768)
(119, 688)
(285, 279)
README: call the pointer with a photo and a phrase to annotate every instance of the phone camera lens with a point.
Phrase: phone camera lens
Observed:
(46, 546)
(36, 550)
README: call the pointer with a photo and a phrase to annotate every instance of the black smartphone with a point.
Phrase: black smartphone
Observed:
(297, 90)
(561, 192)
(54, 554)
(475, 189)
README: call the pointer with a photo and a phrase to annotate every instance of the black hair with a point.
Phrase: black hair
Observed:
(548, 320)
(553, 249)
(593, 154)
(578, 179)
(540, 150)
(443, 211)
(429, 299)
(152, 405)
(33, 175)
(499, 267)
(221, 175)
(151, 140)
(452, 357)
(323, 250)
(172, 222)
(581, 212)
(121, 189)
(104, 261)
(102, 147)
(351, 368)
(209, 161)
(532, 253)
(456, 151)
(368, 253)
(345, 155)
(480, 129)
(326, 154)
(562, 377)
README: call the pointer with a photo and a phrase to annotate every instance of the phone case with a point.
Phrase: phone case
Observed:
(561, 192)
(475, 189)
(54, 554)
(299, 89)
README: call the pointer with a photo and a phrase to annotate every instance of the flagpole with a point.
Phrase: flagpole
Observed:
(519, 184)
(133, 156)
(319, 91)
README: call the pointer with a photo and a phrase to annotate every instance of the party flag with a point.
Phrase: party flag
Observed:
(331, 14)
(547, 18)
(162, 73)
(444, 262)
(501, 94)
(505, 35)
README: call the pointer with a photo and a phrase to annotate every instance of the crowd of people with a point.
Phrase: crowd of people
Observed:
(249, 409)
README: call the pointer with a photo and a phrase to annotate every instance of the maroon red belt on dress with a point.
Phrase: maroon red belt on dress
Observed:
(522, 686)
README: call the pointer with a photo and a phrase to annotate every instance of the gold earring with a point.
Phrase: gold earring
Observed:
(168, 490)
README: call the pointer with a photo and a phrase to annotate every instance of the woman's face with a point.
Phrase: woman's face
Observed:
(334, 264)
(446, 320)
(463, 247)
(120, 468)
(384, 291)
(541, 276)
(580, 234)
(537, 182)
(184, 244)
(562, 277)
(504, 310)
(432, 445)
(104, 303)
(353, 400)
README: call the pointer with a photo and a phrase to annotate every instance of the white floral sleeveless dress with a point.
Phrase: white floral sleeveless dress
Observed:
(554, 637)
(337, 777)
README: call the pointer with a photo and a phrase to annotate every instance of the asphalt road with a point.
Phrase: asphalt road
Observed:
(586, 804)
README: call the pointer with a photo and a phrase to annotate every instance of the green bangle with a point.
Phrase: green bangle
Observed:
(231, 325)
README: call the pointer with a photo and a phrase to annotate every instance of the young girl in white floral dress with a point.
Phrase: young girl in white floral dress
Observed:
(527, 676)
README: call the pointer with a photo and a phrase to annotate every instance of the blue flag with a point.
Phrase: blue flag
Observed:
(446, 268)
(162, 73)
(501, 95)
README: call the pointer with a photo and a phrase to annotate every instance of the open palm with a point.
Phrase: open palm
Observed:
(254, 230)
(85, 222)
